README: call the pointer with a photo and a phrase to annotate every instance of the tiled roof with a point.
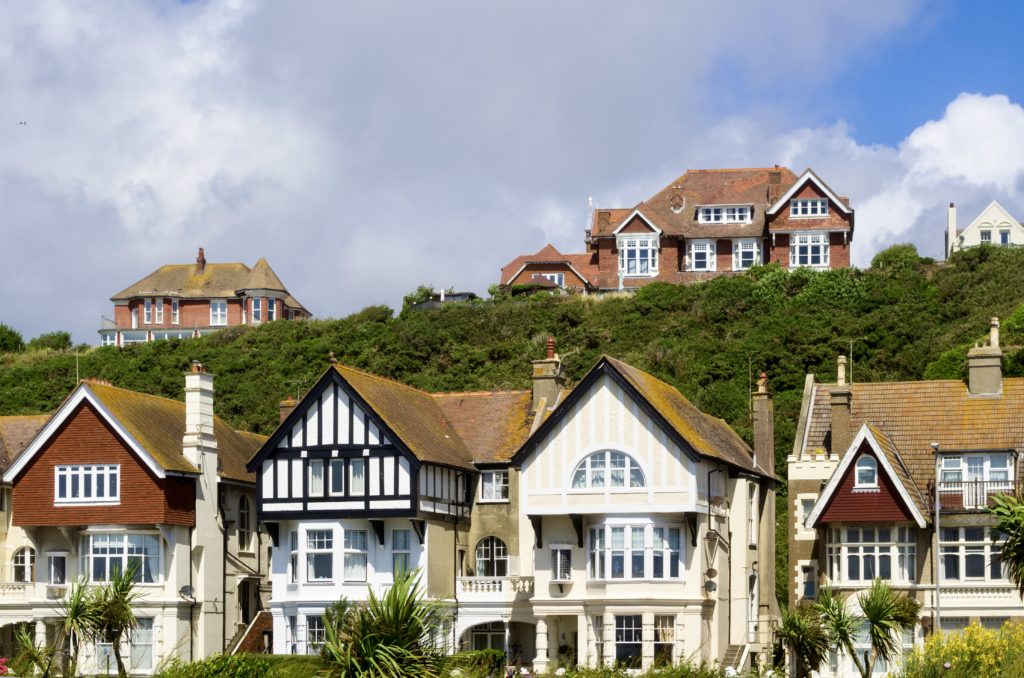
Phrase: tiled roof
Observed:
(216, 280)
(413, 415)
(158, 424)
(912, 415)
(15, 434)
(585, 263)
(695, 188)
(491, 424)
(709, 436)
(902, 473)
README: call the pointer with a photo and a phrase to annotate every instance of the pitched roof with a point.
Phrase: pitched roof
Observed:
(914, 414)
(899, 467)
(15, 434)
(414, 416)
(216, 280)
(674, 208)
(585, 264)
(492, 424)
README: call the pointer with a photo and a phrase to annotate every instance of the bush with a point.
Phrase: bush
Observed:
(476, 663)
(219, 666)
(974, 652)
(10, 340)
(55, 341)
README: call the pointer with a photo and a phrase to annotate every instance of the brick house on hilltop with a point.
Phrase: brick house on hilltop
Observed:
(181, 301)
(704, 224)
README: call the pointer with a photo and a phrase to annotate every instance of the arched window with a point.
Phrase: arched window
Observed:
(244, 523)
(24, 564)
(867, 472)
(607, 468)
(491, 558)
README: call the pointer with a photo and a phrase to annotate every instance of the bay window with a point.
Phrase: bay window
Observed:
(102, 555)
(701, 255)
(400, 557)
(293, 557)
(638, 255)
(746, 253)
(634, 552)
(174, 311)
(866, 553)
(271, 309)
(355, 555)
(319, 555)
(158, 314)
(147, 316)
(257, 310)
(628, 640)
(968, 554)
(664, 639)
(808, 249)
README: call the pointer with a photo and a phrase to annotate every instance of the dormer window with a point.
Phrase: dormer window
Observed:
(734, 214)
(817, 207)
(867, 473)
(638, 255)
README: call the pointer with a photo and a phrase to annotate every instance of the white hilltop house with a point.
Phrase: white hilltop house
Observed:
(993, 226)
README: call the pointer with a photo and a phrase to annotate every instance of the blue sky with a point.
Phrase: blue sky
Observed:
(367, 148)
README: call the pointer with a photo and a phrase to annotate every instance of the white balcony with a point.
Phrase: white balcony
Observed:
(16, 591)
(494, 589)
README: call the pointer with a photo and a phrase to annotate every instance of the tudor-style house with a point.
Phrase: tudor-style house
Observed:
(994, 226)
(610, 522)
(704, 224)
(114, 479)
(181, 301)
(867, 464)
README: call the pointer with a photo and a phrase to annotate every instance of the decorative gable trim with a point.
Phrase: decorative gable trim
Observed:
(864, 435)
(82, 394)
(809, 175)
(637, 213)
(603, 368)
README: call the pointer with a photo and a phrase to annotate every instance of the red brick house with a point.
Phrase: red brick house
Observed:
(180, 301)
(704, 224)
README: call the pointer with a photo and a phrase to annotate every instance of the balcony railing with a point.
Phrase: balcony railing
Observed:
(973, 495)
(495, 589)
(17, 590)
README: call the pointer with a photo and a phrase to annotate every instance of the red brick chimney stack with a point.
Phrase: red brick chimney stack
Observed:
(201, 262)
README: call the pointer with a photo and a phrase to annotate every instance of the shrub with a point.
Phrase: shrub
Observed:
(975, 651)
(219, 666)
(54, 341)
(10, 340)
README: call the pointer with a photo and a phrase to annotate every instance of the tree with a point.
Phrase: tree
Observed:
(1009, 513)
(804, 635)
(55, 341)
(79, 621)
(10, 340)
(112, 605)
(388, 637)
(418, 295)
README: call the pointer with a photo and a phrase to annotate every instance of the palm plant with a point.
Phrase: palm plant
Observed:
(388, 637)
(112, 605)
(32, 658)
(79, 621)
(1009, 513)
(805, 636)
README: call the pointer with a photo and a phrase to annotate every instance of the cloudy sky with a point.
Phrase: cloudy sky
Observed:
(365, 148)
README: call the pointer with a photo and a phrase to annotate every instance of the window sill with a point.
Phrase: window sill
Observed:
(806, 217)
(494, 501)
(319, 582)
(639, 275)
(866, 490)
(66, 502)
(701, 270)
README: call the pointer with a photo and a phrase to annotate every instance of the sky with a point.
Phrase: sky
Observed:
(366, 148)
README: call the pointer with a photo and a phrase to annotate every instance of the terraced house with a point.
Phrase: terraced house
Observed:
(608, 522)
(114, 479)
(890, 480)
(704, 224)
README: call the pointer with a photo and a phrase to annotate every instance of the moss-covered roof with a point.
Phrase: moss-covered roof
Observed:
(16, 432)
(492, 424)
(158, 424)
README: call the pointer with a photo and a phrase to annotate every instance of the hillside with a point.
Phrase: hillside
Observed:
(907, 318)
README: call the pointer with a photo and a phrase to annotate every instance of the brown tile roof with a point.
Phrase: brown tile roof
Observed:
(585, 263)
(902, 473)
(914, 414)
(744, 186)
(158, 424)
(413, 415)
(16, 432)
(493, 425)
(216, 280)
(709, 436)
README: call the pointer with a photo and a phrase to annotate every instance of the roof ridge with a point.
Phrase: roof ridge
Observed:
(452, 394)
(378, 377)
(740, 169)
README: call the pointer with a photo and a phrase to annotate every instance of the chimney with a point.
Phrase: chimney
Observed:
(200, 262)
(985, 365)
(774, 185)
(840, 398)
(199, 436)
(287, 406)
(547, 379)
(950, 229)
(764, 426)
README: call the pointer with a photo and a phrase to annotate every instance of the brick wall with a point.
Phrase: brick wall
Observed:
(526, 275)
(834, 220)
(85, 438)
(848, 504)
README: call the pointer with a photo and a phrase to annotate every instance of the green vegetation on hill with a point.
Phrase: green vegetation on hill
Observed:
(907, 317)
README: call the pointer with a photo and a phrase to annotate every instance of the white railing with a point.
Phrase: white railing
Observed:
(15, 590)
(495, 588)
(980, 591)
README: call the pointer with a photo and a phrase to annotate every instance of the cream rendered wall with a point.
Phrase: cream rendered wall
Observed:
(993, 218)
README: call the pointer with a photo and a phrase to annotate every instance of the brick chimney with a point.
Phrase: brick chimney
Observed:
(547, 379)
(287, 406)
(985, 365)
(764, 426)
(774, 185)
(199, 437)
(200, 262)
(841, 399)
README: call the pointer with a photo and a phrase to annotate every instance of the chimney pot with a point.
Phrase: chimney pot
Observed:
(550, 348)
(994, 333)
(841, 371)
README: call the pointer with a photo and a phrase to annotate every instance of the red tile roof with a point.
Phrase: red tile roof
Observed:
(585, 264)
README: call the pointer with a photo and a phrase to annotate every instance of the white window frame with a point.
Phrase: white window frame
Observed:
(810, 245)
(147, 311)
(23, 565)
(319, 543)
(293, 557)
(218, 312)
(638, 538)
(985, 236)
(401, 550)
(725, 214)
(977, 545)
(135, 317)
(316, 633)
(752, 506)
(597, 469)
(135, 642)
(119, 543)
(356, 481)
(742, 247)
(561, 562)
(244, 526)
(867, 545)
(97, 475)
(356, 554)
(865, 463)
(175, 316)
(808, 208)
(557, 278)
(808, 577)
(494, 551)
(664, 637)
(494, 486)
(631, 248)
(158, 311)
(802, 510)
(710, 247)
(336, 477)
(257, 310)
(271, 309)
(52, 557)
(317, 478)
(630, 625)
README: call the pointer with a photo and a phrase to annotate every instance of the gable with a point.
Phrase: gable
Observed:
(994, 217)
(850, 504)
(810, 180)
(637, 222)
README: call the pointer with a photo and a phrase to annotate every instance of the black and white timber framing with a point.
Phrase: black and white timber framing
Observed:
(334, 432)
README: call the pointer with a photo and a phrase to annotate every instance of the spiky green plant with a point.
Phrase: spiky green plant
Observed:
(79, 620)
(113, 606)
(1009, 513)
(804, 634)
